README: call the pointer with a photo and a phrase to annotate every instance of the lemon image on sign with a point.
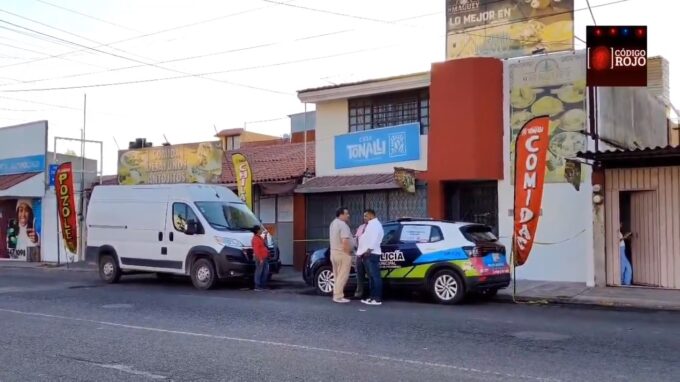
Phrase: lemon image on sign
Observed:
(547, 105)
(566, 145)
(521, 98)
(519, 119)
(574, 120)
(571, 93)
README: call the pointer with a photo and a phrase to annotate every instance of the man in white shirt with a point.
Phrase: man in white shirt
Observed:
(369, 252)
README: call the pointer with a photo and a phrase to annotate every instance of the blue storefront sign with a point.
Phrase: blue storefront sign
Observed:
(379, 146)
(53, 173)
(22, 165)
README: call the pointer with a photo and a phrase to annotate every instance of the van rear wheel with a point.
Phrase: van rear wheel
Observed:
(203, 274)
(109, 271)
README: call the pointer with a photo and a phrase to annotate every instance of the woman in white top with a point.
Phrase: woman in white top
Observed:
(626, 268)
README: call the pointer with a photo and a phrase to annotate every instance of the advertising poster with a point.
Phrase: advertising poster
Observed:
(244, 179)
(21, 229)
(66, 206)
(553, 86)
(188, 163)
(508, 28)
(531, 150)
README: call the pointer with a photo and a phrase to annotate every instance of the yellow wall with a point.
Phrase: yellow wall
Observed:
(332, 118)
(248, 136)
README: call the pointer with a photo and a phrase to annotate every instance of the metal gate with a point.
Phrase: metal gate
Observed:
(474, 203)
(388, 205)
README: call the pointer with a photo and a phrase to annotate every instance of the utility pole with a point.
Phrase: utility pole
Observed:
(81, 253)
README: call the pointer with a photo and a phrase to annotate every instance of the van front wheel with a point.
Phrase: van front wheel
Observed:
(203, 274)
(109, 271)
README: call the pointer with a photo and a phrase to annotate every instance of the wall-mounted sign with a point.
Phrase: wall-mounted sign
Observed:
(378, 146)
(617, 55)
(508, 28)
(22, 165)
(188, 163)
(406, 178)
(552, 85)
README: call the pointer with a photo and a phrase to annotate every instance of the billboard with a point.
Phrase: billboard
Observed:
(508, 28)
(378, 146)
(187, 163)
(23, 150)
(554, 86)
(21, 229)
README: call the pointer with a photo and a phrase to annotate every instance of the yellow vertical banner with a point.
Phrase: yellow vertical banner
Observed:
(244, 179)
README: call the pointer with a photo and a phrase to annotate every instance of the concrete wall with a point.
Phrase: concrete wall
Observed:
(563, 250)
(333, 120)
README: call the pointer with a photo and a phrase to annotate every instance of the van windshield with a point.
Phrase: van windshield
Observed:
(223, 216)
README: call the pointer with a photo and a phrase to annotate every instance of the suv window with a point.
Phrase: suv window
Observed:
(390, 234)
(478, 233)
(420, 234)
(181, 214)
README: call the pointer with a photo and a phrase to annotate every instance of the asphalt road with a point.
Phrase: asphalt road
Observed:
(67, 326)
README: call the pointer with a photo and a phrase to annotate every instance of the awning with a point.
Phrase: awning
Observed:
(649, 157)
(348, 183)
(9, 181)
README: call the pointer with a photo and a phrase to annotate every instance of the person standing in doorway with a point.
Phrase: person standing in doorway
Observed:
(369, 248)
(360, 269)
(341, 253)
(626, 268)
(261, 254)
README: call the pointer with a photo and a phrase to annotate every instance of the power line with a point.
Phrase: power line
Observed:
(339, 13)
(154, 33)
(235, 50)
(371, 49)
(145, 63)
(88, 16)
(591, 12)
(60, 30)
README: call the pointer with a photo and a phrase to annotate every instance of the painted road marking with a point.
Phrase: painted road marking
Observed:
(285, 345)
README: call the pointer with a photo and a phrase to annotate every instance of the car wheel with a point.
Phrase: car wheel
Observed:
(447, 287)
(324, 281)
(203, 274)
(109, 271)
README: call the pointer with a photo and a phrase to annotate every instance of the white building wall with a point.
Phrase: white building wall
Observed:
(332, 120)
(564, 241)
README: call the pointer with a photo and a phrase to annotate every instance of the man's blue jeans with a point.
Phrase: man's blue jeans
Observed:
(626, 268)
(261, 274)
(372, 265)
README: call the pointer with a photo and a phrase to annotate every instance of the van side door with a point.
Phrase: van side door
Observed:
(180, 240)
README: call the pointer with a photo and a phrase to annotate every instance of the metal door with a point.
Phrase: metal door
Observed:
(644, 217)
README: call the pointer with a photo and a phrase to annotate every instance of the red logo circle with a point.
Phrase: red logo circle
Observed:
(600, 58)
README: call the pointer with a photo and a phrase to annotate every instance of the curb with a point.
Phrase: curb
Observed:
(592, 303)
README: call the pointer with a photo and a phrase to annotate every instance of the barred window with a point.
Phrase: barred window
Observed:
(390, 109)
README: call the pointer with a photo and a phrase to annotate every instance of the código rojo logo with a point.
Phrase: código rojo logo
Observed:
(617, 56)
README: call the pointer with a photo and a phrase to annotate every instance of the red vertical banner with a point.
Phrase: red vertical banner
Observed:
(66, 204)
(531, 151)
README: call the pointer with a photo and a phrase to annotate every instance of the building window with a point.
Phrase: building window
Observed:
(389, 110)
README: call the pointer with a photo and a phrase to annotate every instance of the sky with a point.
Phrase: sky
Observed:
(177, 70)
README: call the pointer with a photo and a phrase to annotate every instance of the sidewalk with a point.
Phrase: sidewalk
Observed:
(578, 293)
(79, 266)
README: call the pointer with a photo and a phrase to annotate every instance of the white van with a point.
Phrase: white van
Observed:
(184, 229)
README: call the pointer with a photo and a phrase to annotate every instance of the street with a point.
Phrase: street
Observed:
(68, 326)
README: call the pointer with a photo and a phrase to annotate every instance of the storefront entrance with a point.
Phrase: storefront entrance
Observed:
(473, 202)
(388, 205)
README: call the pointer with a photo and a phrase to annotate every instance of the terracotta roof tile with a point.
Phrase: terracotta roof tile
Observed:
(348, 183)
(272, 163)
(9, 181)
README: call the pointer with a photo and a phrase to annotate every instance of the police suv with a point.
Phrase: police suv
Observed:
(447, 259)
